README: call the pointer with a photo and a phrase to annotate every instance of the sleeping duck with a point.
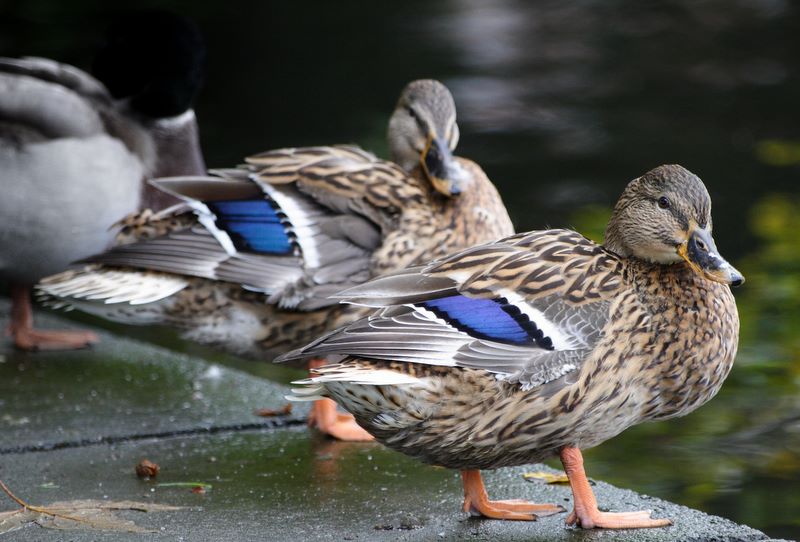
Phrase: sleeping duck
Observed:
(75, 152)
(542, 344)
(249, 261)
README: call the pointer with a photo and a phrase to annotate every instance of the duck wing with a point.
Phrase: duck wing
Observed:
(528, 308)
(296, 224)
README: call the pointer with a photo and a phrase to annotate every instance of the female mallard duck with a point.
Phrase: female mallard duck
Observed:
(250, 261)
(75, 152)
(543, 343)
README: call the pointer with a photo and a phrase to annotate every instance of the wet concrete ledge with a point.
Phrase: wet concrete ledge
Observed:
(72, 426)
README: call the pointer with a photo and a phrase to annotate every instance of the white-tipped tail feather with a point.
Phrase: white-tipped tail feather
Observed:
(310, 393)
(110, 286)
(314, 387)
(112, 293)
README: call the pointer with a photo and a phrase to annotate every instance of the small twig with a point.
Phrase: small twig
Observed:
(16, 499)
(37, 509)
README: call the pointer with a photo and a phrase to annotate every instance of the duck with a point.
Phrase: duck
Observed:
(76, 150)
(541, 344)
(249, 260)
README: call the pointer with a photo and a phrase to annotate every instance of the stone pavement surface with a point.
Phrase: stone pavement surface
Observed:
(74, 425)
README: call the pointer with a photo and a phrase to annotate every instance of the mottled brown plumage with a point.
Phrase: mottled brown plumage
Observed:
(488, 423)
(543, 343)
(366, 216)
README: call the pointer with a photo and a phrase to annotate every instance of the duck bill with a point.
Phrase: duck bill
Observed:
(440, 167)
(700, 252)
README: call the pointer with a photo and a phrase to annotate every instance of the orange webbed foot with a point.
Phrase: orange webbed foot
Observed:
(27, 338)
(339, 425)
(586, 514)
(590, 519)
(476, 502)
(40, 339)
(327, 419)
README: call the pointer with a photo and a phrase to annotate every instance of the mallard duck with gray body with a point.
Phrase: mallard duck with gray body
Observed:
(75, 152)
(543, 343)
(249, 262)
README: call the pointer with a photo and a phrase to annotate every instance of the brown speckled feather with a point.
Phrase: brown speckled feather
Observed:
(251, 259)
(668, 343)
(415, 222)
(615, 341)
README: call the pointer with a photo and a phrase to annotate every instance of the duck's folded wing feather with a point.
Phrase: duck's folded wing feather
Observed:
(194, 252)
(343, 178)
(198, 247)
(409, 285)
(296, 224)
(528, 308)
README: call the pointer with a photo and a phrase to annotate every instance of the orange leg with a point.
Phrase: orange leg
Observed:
(328, 420)
(476, 502)
(586, 513)
(27, 338)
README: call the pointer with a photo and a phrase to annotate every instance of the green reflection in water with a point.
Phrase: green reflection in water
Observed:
(739, 455)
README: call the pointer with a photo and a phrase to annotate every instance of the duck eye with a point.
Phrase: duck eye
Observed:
(413, 114)
(663, 202)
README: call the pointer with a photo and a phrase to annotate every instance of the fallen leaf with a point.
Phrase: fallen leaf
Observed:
(88, 515)
(547, 477)
(270, 412)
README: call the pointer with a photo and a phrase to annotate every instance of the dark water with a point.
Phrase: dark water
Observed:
(562, 104)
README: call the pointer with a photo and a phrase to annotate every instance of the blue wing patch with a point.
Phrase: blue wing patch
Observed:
(253, 225)
(492, 319)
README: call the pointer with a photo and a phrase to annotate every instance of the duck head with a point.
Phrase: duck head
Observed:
(155, 59)
(664, 217)
(423, 132)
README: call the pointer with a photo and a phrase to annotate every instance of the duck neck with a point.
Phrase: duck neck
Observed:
(694, 317)
(477, 214)
(177, 143)
(651, 277)
(613, 240)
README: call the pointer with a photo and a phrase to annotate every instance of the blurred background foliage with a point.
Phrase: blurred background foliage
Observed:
(562, 103)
